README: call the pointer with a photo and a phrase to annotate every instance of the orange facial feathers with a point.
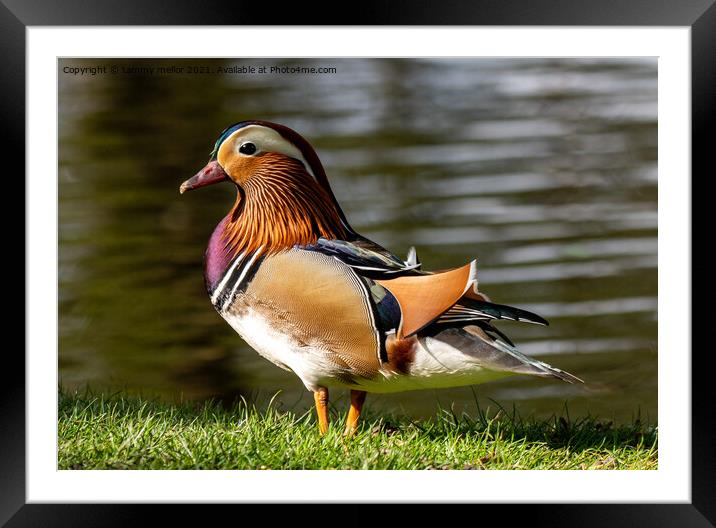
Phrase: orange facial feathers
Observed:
(280, 205)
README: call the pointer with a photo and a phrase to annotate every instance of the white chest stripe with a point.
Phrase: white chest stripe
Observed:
(241, 277)
(227, 275)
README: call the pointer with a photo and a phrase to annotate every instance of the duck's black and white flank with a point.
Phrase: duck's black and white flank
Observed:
(303, 288)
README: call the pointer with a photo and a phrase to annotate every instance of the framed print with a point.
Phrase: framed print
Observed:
(558, 150)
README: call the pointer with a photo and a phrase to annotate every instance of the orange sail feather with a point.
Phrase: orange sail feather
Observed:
(424, 298)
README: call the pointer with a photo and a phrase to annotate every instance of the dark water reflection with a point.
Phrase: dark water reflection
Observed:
(545, 169)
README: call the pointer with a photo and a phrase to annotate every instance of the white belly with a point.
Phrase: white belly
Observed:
(306, 361)
(436, 365)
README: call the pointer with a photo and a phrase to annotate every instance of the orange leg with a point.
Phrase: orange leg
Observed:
(357, 399)
(321, 399)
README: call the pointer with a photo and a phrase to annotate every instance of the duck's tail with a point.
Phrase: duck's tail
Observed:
(492, 350)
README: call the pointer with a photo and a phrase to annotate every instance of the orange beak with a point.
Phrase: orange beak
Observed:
(212, 173)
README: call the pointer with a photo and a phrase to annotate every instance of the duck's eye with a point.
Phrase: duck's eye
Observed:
(247, 148)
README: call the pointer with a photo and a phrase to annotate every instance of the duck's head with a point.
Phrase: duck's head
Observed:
(247, 147)
(279, 178)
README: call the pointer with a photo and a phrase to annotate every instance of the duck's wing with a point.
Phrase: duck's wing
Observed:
(467, 310)
(366, 257)
(493, 351)
(424, 298)
(447, 298)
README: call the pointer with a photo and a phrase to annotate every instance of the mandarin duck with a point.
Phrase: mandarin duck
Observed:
(291, 276)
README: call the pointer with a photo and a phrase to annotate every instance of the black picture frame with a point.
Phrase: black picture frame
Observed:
(699, 16)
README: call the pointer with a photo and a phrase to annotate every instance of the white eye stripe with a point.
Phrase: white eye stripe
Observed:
(266, 140)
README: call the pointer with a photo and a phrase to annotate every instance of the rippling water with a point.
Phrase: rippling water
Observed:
(545, 169)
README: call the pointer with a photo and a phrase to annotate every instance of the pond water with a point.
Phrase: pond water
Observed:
(544, 169)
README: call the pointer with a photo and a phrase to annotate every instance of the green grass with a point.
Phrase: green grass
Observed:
(115, 432)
